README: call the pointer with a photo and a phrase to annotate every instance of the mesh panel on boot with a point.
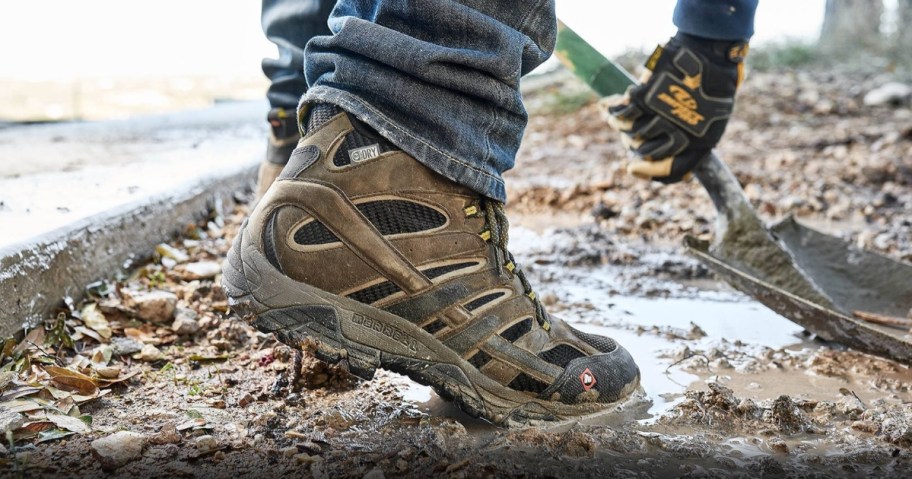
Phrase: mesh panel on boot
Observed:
(439, 271)
(526, 383)
(375, 293)
(603, 344)
(479, 302)
(314, 233)
(435, 326)
(398, 216)
(518, 330)
(479, 359)
(388, 216)
(561, 355)
(320, 113)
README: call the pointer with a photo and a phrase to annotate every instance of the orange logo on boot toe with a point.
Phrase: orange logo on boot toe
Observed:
(587, 379)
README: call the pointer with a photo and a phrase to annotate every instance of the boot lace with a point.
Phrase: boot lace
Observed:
(497, 233)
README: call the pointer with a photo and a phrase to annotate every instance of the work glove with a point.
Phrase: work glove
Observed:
(679, 111)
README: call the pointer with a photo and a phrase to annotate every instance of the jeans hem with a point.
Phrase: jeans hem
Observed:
(487, 183)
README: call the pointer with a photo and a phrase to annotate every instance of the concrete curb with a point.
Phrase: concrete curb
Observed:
(37, 274)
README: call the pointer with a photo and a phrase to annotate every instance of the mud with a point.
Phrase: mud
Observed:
(748, 244)
(858, 280)
(733, 390)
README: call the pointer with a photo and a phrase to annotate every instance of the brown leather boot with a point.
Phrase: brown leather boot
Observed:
(283, 137)
(389, 265)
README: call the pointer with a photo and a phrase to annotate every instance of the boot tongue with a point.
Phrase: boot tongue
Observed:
(320, 113)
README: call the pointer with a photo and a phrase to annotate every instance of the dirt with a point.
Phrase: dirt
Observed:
(733, 390)
(749, 245)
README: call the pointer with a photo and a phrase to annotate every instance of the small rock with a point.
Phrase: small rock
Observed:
(850, 405)
(305, 458)
(185, 323)
(118, 449)
(149, 353)
(167, 435)
(892, 93)
(246, 400)
(865, 426)
(152, 306)
(123, 346)
(205, 444)
(108, 372)
(200, 270)
(168, 251)
(10, 420)
(375, 473)
(779, 446)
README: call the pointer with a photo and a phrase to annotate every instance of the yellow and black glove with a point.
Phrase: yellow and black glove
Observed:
(679, 111)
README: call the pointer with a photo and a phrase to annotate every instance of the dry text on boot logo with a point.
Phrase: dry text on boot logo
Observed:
(682, 105)
(364, 153)
(391, 332)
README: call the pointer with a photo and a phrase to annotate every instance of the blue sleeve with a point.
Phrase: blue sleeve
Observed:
(716, 19)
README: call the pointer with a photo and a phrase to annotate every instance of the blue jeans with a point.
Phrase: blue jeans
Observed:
(439, 78)
(290, 24)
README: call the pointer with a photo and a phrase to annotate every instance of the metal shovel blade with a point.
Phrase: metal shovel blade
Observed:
(823, 283)
(826, 322)
(820, 282)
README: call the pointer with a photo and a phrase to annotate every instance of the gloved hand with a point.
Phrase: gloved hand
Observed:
(679, 111)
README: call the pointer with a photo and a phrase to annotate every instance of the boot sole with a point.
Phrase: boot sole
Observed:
(363, 338)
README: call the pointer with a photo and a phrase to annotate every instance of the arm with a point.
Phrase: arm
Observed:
(680, 110)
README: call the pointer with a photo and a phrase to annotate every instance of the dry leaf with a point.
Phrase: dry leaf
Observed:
(38, 426)
(6, 377)
(94, 319)
(18, 392)
(107, 382)
(102, 355)
(69, 423)
(22, 405)
(80, 331)
(72, 380)
(34, 338)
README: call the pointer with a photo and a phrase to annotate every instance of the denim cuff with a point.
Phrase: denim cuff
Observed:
(716, 19)
(469, 173)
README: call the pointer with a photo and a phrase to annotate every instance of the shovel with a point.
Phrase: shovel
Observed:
(833, 289)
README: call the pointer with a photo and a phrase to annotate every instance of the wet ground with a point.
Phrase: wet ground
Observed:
(730, 388)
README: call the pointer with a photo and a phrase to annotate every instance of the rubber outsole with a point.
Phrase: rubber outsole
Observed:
(362, 339)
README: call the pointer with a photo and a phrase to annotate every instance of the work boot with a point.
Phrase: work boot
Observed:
(283, 138)
(388, 264)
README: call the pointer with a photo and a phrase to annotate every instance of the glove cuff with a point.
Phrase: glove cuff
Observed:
(721, 52)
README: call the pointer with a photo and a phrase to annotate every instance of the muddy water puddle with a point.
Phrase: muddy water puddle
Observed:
(683, 333)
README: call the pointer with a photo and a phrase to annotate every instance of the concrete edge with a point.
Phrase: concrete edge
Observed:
(37, 274)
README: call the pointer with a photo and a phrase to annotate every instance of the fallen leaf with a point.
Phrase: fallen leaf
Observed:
(107, 382)
(53, 434)
(37, 426)
(22, 405)
(66, 405)
(80, 331)
(102, 355)
(72, 380)
(69, 423)
(168, 251)
(192, 424)
(95, 319)
(6, 377)
(34, 338)
(108, 372)
(18, 392)
(202, 358)
(139, 335)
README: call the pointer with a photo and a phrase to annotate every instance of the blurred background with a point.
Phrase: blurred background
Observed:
(97, 59)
